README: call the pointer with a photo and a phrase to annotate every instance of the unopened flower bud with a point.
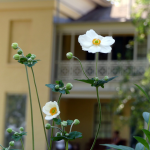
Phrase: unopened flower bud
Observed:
(66, 134)
(57, 87)
(96, 78)
(21, 129)
(69, 86)
(64, 123)
(16, 133)
(47, 126)
(14, 45)
(58, 134)
(19, 51)
(12, 143)
(69, 55)
(76, 122)
(106, 78)
(16, 56)
(9, 130)
(33, 56)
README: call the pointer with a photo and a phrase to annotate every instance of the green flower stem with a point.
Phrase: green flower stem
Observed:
(30, 108)
(81, 66)
(96, 64)
(1, 146)
(66, 144)
(22, 144)
(51, 136)
(40, 107)
(59, 99)
(100, 116)
(56, 128)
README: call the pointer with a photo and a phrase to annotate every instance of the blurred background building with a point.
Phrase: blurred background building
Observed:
(50, 29)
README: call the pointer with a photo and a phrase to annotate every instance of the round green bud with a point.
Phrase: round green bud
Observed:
(33, 56)
(76, 122)
(16, 56)
(58, 134)
(21, 129)
(16, 133)
(106, 78)
(14, 45)
(66, 134)
(64, 123)
(47, 126)
(96, 78)
(20, 51)
(9, 130)
(69, 55)
(57, 87)
(69, 86)
(11, 143)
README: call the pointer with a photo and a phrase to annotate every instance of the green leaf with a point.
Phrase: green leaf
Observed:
(28, 56)
(23, 133)
(146, 116)
(16, 138)
(69, 122)
(61, 84)
(119, 147)
(75, 135)
(67, 92)
(147, 133)
(22, 60)
(143, 92)
(30, 65)
(96, 83)
(57, 121)
(142, 141)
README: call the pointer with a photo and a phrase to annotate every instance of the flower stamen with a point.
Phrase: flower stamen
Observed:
(53, 111)
(96, 42)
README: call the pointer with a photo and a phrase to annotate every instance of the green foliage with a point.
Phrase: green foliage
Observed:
(58, 121)
(18, 136)
(96, 83)
(147, 133)
(62, 89)
(73, 135)
(142, 141)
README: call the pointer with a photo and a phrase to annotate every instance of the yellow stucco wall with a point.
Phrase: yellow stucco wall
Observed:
(30, 24)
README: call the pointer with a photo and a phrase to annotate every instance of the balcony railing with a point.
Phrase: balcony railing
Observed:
(70, 70)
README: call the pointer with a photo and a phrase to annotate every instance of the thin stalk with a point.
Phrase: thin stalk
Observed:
(1, 146)
(59, 99)
(51, 136)
(96, 64)
(30, 108)
(66, 144)
(100, 116)
(81, 66)
(22, 144)
(40, 107)
(56, 128)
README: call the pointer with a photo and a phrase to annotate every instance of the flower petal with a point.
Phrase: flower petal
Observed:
(92, 34)
(48, 117)
(45, 111)
(105, 49)
(94, 49)
(107, 41)
(85, 41)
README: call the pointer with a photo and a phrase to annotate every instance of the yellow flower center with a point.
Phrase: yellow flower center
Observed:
(96, 42)
(53, 111)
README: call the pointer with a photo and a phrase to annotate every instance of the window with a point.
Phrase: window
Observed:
(105, 131)
(119, 46)
(14, 115)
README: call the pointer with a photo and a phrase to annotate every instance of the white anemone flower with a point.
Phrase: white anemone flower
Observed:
(92, 42)
(51, 109)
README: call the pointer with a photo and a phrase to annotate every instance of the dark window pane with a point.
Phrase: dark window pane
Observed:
(82, 55)
(15, 116)
(119, 47)
(103, 56)
(66, 45)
